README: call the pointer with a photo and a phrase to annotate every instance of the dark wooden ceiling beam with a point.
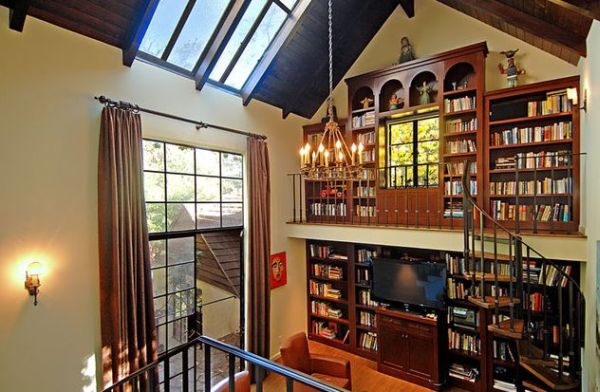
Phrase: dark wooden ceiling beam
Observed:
(409, 7)
(218, 42)
(17, 15)
(287, 32)
(590, 9)
(136, 34)
(512, 20)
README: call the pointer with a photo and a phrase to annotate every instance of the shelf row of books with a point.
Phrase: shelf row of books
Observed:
(368, 341)
(314, 139)
(457, 290)
(363, 275)
(541, 213)
(365, 255)
(454, 188)
(454, 209)
(364, 120)
(501, 350)
(320, 251)
(365, 211)
(537, 330)
(505, 386)
(463, 372)
(460, 146)
(328, 330)
(533, 160)
(460, 125)
(549, 276)
(547, 186)
(459, 104)
(368, 156)
(557, 131)
(455, 265)
(328, 271)
(321, 308)
(366, 138)
(324, 290)
(363, 297)
(464, 342)
(367, 319)
(535, 302)
(555, 102)
(456, 169)
(365, 191)
(328, 209)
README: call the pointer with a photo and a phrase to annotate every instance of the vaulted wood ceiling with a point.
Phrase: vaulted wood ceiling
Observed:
(296, 78)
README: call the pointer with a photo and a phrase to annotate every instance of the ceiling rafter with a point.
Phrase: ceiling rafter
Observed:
(590, 9)
(409, 7)
(18, 14)
(138, 29)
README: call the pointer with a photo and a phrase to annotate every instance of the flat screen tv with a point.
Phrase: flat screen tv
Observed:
(414, 283)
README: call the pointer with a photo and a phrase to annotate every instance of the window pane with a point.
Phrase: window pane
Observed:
(198, 29)
(155, 216)
(401, 155)
(154, 186)
(236, 39)
(232, 214)
(161, 27)
(180, 304)
(158, 253)
(162, 346)
(401, 177)
(159, 283)
(232, 190)
(181, 250)
(207, 162)
(289, 3)
(180, 187)
(401, 133)
(160, 310)
(208, 188)
(180, 216)
(154, 156)
(428, 152)
(180, 159)
(428, 129)
(232, 165)
(181, 277)
(260, 41)
(428, 176)
(209, 215)
(176, 337)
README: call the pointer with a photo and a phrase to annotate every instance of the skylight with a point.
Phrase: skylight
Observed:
(182, 31)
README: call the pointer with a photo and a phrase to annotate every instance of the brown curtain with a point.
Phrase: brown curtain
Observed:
(260, 246)
(126, 304)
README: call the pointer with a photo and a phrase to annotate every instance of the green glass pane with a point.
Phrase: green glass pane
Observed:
(428, 152)
(401, 155)
(154, 156)
(154, 186)
(428, 129)
(155, 216)
(180, 187)
(401, 177)
(401, 133)
(428, 176)
(180, 159)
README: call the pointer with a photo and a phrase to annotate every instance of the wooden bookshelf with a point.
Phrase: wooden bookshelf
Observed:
(519, 112)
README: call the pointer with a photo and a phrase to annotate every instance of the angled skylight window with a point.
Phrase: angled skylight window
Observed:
(183, 34)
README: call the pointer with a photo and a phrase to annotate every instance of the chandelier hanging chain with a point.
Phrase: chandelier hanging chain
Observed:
(330, 25)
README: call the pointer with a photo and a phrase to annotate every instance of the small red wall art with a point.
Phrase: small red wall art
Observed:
(278, 270)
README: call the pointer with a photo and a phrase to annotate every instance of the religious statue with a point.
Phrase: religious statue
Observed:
(406, 51)
(424, 93)
(395, 102)
(512, 71)
(366, 103)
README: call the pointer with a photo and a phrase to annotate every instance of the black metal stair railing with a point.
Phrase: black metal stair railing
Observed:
(150, 379)
(487, 245)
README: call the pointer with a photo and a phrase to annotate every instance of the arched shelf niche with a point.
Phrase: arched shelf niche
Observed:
(423, 83)
(390, 89)
(460, 76)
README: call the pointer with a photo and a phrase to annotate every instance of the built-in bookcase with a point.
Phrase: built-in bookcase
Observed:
(532, 156)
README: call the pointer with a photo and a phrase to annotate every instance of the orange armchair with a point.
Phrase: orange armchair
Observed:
(295, 354)
(242, 383)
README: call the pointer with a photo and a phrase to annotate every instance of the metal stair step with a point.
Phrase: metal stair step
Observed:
(546, 375)
(504, 329)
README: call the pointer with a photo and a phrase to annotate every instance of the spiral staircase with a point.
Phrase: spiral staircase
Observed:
(548, 357)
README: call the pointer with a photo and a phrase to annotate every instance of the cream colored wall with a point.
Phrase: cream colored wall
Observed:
(590, 143)
(437, 28)
(48, 156)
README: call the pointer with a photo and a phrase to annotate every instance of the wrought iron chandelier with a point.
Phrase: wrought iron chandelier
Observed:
(331, 159)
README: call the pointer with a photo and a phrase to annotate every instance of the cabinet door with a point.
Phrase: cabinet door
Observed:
(420, 355)
(395, 342)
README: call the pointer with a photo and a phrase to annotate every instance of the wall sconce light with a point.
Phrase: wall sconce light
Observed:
(32, 280)
(572, 96)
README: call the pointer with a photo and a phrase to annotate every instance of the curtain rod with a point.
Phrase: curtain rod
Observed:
(199, 124)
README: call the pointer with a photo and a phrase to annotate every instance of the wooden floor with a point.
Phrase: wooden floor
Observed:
(365, 377)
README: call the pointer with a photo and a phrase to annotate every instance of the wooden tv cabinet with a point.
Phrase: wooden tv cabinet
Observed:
(409, 347)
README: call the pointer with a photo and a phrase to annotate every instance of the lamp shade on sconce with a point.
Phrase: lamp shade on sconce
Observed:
(572, 95)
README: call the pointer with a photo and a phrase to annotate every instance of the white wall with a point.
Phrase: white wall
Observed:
(590, 144)
(48, 155)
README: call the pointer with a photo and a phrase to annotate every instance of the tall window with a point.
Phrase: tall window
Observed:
(188, 191)
(413, 153)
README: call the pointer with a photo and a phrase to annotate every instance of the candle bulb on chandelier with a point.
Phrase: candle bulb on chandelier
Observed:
(301, 156)
(341, 156)
(326, 158)
(353, 149)
(360, 155)
(321, 158)
(314, 158)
